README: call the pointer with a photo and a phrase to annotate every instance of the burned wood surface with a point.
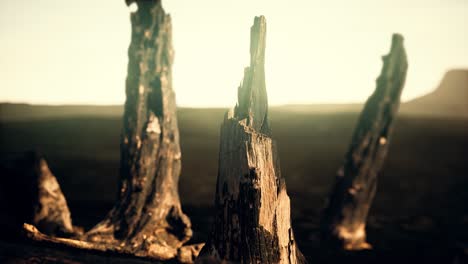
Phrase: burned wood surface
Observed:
(344, 219)
(51, 213)
(252, 221)
(147, 219)
(148, 214)
(32, 194)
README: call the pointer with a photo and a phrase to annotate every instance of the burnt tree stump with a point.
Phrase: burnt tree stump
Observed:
(147, 217)
(344, 219)
(252, 221)
(32, 194)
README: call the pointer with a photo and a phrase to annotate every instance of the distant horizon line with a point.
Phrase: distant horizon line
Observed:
(447, 72)
(181, 106)
(201, 107)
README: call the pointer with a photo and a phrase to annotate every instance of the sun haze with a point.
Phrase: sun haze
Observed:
(75, 52)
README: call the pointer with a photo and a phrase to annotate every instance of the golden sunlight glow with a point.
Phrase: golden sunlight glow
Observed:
(75, 52)
(133, 7)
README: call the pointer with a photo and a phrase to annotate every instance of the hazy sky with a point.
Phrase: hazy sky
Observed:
(75, 52)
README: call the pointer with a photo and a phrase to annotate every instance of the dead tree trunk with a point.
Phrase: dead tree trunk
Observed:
(252, 221)
(147, 219)
(344, 219)
(148, 215)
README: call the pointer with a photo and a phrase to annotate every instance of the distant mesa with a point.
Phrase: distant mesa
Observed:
(450, 98)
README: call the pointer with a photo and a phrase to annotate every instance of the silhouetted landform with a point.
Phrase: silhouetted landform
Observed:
(449, 99)
(18, 112)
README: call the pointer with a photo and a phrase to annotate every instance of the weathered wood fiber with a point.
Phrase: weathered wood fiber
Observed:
(185, 253)
(148, 215)
(147, 219)
(252, 221)
(344, 220)
(32, 194)
(51, 213)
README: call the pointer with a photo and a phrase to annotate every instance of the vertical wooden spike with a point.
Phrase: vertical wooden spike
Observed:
(148, 216)
(252, 222)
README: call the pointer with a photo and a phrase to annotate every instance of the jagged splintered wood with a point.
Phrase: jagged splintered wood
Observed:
(147, 219)
(33, 195)
(51, 213)
(344, 220)
(252, 221)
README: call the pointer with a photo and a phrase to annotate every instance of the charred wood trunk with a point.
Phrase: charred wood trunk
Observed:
(344, 219)
(252, 221)
(32, 194)
(148, 217)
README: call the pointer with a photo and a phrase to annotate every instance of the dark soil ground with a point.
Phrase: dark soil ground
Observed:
(420, 213)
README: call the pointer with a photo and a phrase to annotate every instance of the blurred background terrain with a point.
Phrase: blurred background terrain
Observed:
(420, 209)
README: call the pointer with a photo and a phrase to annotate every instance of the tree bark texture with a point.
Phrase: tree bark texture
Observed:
(147, 219)
(344, 219)
(252, 221)
(148, 215)
(33, 195)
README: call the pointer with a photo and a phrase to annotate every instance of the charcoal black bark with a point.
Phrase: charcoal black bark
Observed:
(252, 220)
(148, 217)
(344, 219)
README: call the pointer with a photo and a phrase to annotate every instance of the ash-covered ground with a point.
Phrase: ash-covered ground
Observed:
(420, 213)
